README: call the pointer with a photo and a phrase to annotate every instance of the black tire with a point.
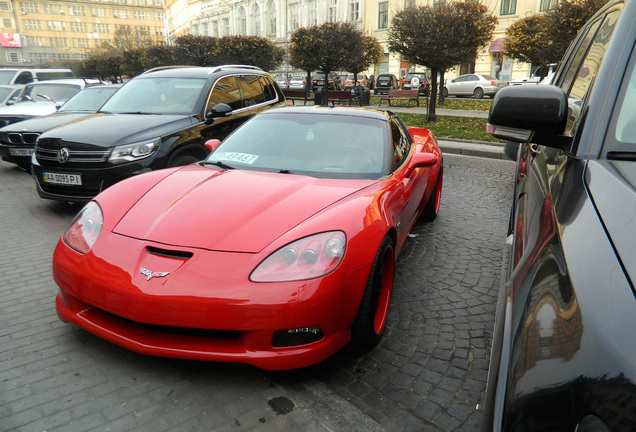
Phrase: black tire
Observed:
(374, 308)
(445, 92)
(478, 93)
(432, 206)
(184, 160)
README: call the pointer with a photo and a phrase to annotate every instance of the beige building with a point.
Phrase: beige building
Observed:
(40, 31)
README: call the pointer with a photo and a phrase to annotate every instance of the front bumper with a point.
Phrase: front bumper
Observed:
(17, 154)
(202, 310)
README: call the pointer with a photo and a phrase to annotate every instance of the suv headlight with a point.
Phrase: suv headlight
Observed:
(135, 151)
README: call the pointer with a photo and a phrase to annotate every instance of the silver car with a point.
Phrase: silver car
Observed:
(297, 82)
(474, 85)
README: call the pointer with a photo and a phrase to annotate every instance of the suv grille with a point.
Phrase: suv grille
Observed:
(23, 138)
(75, 156)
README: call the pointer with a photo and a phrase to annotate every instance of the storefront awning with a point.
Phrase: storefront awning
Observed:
(497, 45)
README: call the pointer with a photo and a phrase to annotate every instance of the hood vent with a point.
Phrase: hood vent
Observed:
(166, 253)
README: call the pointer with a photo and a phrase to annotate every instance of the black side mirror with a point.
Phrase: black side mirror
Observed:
(219, 110)
(528, 113)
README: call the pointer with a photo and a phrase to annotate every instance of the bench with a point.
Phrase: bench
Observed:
(296, 95)
(408, 95)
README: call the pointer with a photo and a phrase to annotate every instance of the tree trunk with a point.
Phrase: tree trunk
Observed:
(442, 99)
(430, 115)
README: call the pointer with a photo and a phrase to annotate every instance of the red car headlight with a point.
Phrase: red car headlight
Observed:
(85, 228)
(307, 258)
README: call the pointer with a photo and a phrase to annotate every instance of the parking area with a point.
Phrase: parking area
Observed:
(428, 373)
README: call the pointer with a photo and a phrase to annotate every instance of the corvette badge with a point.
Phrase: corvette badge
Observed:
(150, 274)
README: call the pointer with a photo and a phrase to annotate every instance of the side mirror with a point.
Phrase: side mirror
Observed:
(212, 144)
(421, 160)
(530, 113)
(219, 110)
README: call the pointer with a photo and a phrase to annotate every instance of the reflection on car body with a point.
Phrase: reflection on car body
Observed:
(563, 354)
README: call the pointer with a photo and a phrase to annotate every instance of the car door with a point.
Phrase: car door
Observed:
(546, 321)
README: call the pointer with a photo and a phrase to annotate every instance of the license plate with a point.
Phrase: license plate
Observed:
(67, 179)
(21, 152)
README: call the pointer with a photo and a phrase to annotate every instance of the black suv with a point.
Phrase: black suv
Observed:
(386, 82)
(318, 81)
(424, 84)
(159, 119)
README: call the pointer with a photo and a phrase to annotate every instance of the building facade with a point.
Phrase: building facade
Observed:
(278, 19)
(38, 32)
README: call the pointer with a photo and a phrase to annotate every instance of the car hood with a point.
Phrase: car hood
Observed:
(117, 129)
(612, 186)
(44, 123)
(232, 211)
(29, 108)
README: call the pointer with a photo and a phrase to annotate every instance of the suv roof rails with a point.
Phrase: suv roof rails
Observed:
(158, 68)
(233, 66)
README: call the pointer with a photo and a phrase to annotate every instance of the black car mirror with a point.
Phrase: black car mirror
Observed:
(535, 114)
(218, 111)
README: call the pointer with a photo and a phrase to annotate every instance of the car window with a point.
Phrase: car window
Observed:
(89, 99)
(401, 143)
(324, 146)
(48, 92)
(252, 89)
(24, 78)
(587, 69)
(226, 90)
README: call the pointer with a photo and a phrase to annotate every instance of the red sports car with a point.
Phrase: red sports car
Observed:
(276, 250)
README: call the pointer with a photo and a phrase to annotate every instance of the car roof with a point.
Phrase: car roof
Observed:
(67, 81)
(196, 71)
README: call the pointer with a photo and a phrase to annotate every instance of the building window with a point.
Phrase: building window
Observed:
(295, 16)
(99, 12)
(548, 4)
(14, 57)
(29, 8)
(34, 41)
(81, 43)
(77, 10)
(215, 29)
(121, 13)
(5, 6)
(383, 15)
(101, 28)
(56, 25)
(57, 42)
(226, 27)
(332, 13)
(79, 27)
(159, 16)
(508, 7)
(7, 23)
(354, 10)
(32, 24)
(313, 12)
(256, 12)
(141, 15)
(271, 19)
(242, 22)
(52, 9)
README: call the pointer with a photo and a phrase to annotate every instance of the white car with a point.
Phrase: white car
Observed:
(43, 98)
(297, 82)
(474, 85)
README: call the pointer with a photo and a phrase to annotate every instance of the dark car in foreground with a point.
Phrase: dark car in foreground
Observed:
(159, 119)
(564, 352)
(17, 140)
(277, 250)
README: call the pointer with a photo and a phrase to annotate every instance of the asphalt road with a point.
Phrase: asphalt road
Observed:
(428, 373)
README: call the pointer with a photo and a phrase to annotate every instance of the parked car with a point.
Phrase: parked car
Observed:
(350, 82)
(42, 98)
(159, 119)
(564, 353)
(474, 85)
(318, 81)
(276, 250)
(297, 83)
(282, 82)
(9, 94)
(26, 76)
(386, 82)
(423, 79)
(17, 141)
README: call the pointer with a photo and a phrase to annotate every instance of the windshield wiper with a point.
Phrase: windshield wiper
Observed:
(220, 165)
(284, 171)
